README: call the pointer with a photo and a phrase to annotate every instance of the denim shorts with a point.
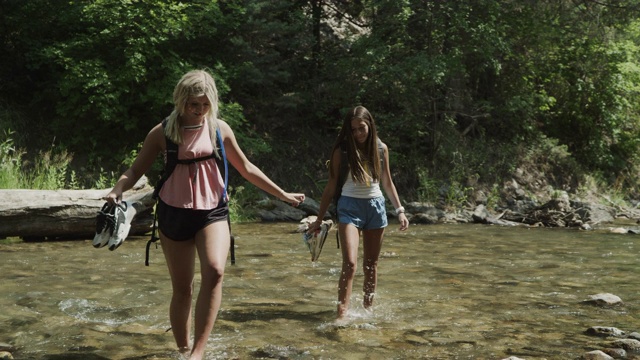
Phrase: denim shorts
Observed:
(366, 214)
(181, 224)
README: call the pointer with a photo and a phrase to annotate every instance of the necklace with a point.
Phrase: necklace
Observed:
(193, 127)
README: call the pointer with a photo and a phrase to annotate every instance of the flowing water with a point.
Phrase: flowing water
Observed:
(444, 292)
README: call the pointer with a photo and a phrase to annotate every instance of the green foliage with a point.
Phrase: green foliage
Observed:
(103, 181)
(241, 199)
(428, 188)
(47, 171)
(459, 89)
(10, 161)
(493, 198)
(11, 240)
(131, 157)
(457, 195)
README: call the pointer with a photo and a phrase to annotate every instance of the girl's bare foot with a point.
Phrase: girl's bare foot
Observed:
(185, 352)
(367, 301)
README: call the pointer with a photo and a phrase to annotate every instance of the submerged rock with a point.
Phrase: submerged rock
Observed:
(616, 353)
(630, 345)
(605, 331)
(595, 355)
(604, 299)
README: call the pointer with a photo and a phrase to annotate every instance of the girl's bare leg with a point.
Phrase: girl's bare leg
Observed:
(372, 244)
(212, 243)
(349, 240)
(180, 258)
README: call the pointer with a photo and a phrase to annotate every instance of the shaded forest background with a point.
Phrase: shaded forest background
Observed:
(467, 94)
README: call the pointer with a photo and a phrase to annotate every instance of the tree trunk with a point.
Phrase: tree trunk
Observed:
(66, 214)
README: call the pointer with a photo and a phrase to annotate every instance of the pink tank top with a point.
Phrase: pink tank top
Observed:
(199, 185)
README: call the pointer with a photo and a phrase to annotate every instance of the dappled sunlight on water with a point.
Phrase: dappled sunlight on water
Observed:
(444, 292)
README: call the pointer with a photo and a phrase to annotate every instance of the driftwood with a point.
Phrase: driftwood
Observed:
(66, 214)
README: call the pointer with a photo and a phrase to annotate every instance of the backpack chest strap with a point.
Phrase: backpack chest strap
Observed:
(195, 160)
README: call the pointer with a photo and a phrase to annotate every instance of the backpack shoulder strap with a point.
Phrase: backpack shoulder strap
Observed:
(223, 166)
(221, 160)
(170, 162)
(381, 152)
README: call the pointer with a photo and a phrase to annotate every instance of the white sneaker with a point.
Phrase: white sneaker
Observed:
(124, 214)
(104, 225)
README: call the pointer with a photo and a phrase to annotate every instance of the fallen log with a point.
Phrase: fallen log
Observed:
(66, 214)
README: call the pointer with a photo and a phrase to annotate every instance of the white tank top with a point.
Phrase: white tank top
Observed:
(368, 190)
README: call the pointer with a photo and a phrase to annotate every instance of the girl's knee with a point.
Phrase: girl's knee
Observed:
(213, 273)
(183, 291)
(370, 264)
(349, 267)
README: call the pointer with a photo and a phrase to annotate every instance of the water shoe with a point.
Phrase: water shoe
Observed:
(104, 225)
(124, 213)
(315, 240)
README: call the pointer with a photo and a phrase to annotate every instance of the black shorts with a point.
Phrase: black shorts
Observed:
(182, 224)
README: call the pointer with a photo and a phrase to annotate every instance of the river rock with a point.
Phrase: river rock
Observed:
(616, 353)
(605, 331)
(433, 216)
(634, 335)
(458, 217)
(310, 206)
(604, 299)
(595, 355)
(278, 352)
(276, 210)
(424, 213)
(5, 355)
(524, 206)
(594, 213)
(512, 358)
(480, 214)
(630, 345)
(418, 207)
(618, 230)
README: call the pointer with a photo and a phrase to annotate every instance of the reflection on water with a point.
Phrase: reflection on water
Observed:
(445, 292)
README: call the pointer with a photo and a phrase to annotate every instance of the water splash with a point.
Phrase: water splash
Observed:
(97, 312)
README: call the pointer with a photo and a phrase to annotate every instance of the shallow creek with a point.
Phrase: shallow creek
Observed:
(444, 292)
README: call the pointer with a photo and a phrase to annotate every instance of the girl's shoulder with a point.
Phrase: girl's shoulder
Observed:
(157, 132)
(156, 139)
(225, 129)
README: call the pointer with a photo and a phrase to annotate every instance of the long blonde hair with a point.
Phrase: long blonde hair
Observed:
(195, 83)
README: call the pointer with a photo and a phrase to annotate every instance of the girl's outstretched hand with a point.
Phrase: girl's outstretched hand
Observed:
(292, 198)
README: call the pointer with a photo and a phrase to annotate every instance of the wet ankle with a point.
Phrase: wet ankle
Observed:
(342, 311)
(367, 300)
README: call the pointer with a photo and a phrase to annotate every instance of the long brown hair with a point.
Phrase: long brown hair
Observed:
(357, 158)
